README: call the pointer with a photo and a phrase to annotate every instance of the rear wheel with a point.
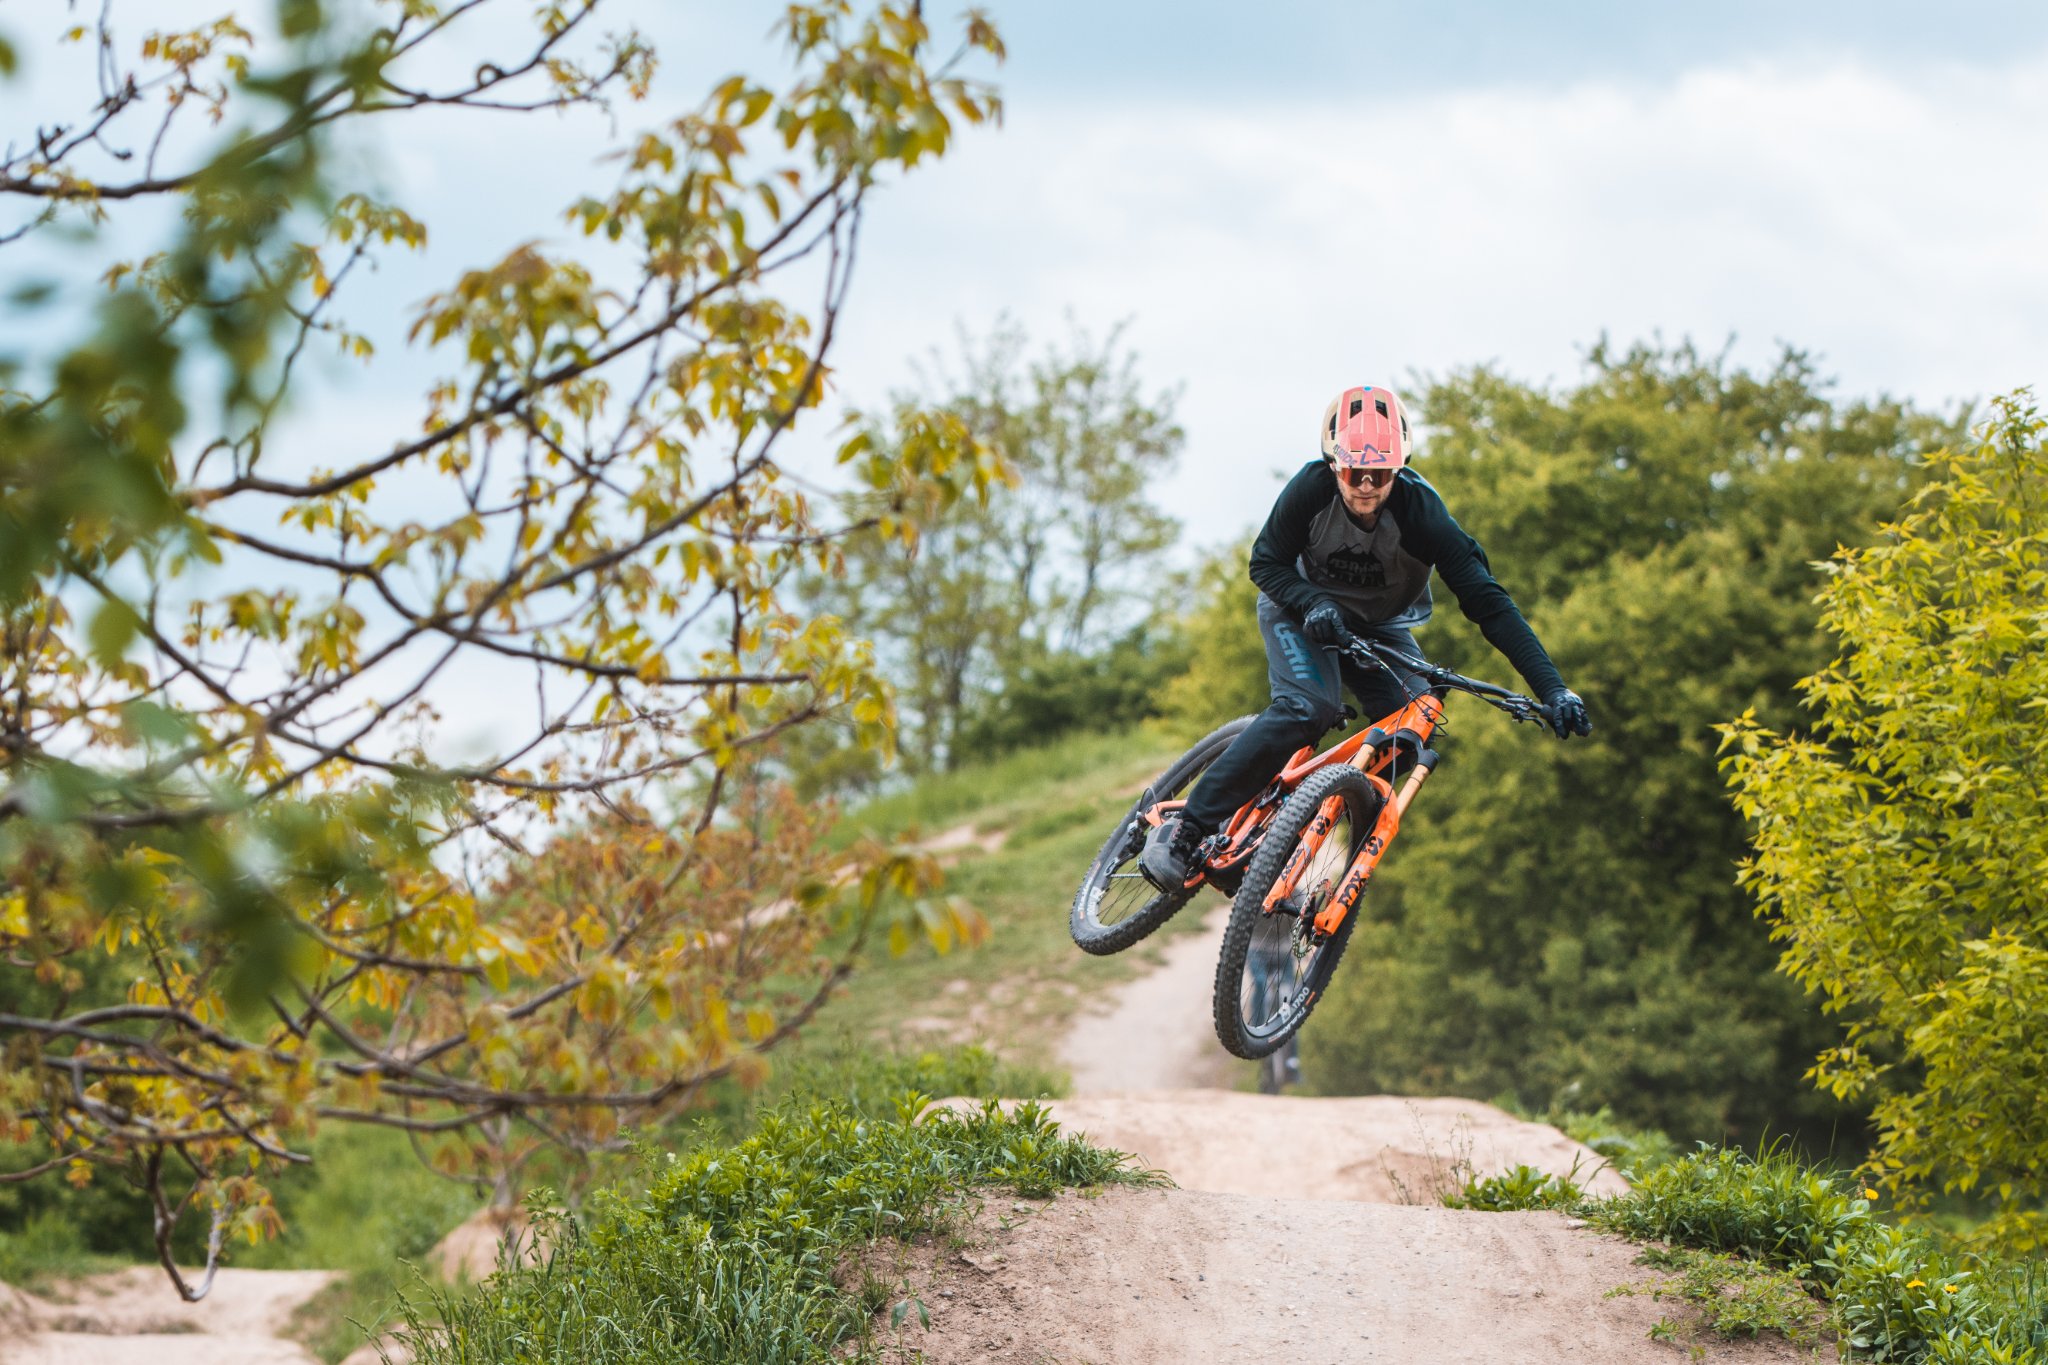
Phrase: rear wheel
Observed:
(1116, 906)
(1272, 971)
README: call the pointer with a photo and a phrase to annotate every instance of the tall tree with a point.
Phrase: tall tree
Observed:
(1049, 565)
(1900, 847)
(218, 761)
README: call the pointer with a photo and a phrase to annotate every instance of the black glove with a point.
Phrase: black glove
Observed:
(1324, 623)
(1568, 714)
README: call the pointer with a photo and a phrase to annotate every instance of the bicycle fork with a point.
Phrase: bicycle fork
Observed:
(1416, 721)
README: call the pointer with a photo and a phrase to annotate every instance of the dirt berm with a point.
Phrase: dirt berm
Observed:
(1304, 1232)
(1184, 1277)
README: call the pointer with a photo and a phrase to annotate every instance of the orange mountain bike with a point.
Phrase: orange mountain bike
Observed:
(1294, 859)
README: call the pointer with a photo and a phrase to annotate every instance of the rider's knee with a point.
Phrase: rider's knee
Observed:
(1310, 716)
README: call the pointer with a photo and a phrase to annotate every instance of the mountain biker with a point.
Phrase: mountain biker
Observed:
(1349, 546)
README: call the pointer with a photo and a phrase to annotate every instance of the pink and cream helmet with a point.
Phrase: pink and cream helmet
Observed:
(1365, 428)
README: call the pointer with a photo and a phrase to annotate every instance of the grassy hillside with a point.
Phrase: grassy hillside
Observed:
(1036, 819)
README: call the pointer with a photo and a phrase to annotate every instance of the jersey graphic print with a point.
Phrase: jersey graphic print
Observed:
(1359, 568)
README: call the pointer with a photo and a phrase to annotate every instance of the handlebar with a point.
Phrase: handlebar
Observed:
(1514, 704)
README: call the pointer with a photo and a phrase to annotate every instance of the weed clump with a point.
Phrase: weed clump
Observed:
(1734, 1297)
(1524, 1187)
(734, 1254)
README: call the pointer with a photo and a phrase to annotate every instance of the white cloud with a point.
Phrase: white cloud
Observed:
(1271, 253)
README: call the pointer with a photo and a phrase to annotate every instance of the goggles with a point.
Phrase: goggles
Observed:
(1359, 478)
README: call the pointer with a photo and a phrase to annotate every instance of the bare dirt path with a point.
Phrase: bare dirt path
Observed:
(1372, 1148)
(1304, 1229)
(1155, 1032)
(1178, 1277)
(134, 1317)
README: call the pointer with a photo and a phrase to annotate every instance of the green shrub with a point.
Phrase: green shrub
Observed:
(865, 1079)
(1901, 1296)
(734, 1253)
(1631, 1150)
(1771, 1206)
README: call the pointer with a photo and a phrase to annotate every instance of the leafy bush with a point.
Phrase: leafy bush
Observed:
(1900, 846)
(867, 1081)
(1059, 692)
(1629, 1149)
(734, 1253)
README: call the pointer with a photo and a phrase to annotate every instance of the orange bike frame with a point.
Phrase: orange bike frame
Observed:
(1418, 718)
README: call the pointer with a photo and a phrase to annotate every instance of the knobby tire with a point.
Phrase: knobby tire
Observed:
(1249, 919)
(1118, 859)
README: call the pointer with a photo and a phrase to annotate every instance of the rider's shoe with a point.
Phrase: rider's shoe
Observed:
(1169, 856)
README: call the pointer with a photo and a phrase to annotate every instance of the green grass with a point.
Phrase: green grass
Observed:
(49, 1246)
(1011, 790)
(741, 1253)
(1891, 1293)
(1733, 1297)
(1018, 990)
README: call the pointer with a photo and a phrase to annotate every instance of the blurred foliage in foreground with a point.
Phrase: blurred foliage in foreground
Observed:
(1901, 846)
(1561, 923)
(247, 890)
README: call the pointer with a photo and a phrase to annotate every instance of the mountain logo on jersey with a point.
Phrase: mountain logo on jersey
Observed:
(1359, 568)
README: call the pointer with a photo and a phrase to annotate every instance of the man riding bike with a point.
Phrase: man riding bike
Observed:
(1349, 547)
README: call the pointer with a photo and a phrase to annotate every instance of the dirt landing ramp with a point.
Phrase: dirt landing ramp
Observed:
(1375, 1148)
(1176, 1277)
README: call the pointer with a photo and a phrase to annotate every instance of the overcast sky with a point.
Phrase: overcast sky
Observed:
(1286, 199)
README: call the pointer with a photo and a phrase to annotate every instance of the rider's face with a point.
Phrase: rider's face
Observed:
(1363, 498)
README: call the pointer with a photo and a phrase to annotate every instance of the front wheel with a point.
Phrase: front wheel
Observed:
(1116, 906)
(1272, 970)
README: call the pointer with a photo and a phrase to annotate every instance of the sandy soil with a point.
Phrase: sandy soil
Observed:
(134, 1317)
(1179, 1277)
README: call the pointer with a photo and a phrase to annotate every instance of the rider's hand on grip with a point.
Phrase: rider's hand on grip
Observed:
(1566, 713)
(1324, 623)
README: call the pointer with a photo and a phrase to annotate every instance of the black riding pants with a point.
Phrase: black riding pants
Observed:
(1307, 683)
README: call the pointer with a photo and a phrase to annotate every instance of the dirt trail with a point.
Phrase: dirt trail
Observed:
(1178, 1277)
(134, 1317)
(1155, 1033)
(1370, 1148)
(1304, 1230)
